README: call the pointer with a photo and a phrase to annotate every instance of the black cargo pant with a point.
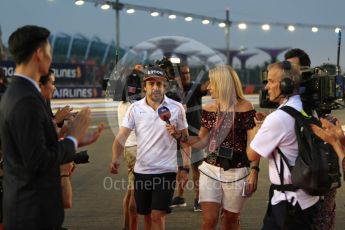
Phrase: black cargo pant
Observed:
(285, 216)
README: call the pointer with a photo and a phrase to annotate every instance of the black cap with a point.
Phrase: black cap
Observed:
(154, 73)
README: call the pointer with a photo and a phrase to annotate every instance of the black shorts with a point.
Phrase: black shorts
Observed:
(154, 192)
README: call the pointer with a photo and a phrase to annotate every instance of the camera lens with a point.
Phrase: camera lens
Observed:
(81, 158)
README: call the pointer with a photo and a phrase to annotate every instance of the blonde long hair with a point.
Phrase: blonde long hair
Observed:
(227, 84)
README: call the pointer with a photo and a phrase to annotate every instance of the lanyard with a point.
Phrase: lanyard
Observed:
(219, 132)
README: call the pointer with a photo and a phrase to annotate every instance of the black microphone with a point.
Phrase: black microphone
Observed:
(164, 114)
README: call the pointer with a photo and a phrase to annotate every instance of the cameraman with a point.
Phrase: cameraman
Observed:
(301, 58)
(130, 93)
(174, 88)
(287, 209)
(325, 218)
(298, 56)
(192, 99)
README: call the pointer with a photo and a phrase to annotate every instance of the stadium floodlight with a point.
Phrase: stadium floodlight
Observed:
(291, 28)
(154, 14)
(172, 16)
(205, 21)
(130, 11)
(314, 29)
(188, 19)
(222, 24)
(105, 6)
(79, 2)
(242, 26)
(266, 27)
(175, 60)
(337, 30)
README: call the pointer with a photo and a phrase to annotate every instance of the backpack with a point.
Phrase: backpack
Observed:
(316, 170)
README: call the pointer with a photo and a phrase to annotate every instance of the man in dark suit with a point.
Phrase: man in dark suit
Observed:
(3, 87)
(32, 152)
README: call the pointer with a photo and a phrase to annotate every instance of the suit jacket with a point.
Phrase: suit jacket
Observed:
(32, 155)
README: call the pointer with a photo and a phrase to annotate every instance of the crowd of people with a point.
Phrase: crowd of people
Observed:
(161, 139)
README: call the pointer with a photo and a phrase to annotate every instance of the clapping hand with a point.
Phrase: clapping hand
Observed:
(91, 136)
(63, 114)
(329, 132)
(78, 127)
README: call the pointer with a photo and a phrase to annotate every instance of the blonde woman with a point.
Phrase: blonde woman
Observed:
(226, 128)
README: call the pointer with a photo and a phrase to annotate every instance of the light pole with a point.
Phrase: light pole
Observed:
(117, 6)
(227, 33)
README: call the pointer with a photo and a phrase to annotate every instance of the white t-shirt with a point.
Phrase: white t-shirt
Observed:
(156, 148)
(278, 130)
(121, 111)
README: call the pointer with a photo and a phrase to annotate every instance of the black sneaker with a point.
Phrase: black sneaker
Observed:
(197, 206)
(178, 202)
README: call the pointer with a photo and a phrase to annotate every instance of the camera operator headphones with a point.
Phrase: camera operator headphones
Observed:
(287, 85)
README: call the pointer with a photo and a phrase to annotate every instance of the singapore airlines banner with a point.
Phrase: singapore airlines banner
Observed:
(69, 73)
(71, 80)
(77, 92)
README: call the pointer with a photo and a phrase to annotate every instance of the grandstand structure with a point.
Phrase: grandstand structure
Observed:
(80, 49)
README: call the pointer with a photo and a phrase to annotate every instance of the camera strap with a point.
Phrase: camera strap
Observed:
(223, 181)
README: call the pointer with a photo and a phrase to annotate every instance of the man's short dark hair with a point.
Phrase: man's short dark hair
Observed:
(25, 41)
(45, 78)
(303, 57)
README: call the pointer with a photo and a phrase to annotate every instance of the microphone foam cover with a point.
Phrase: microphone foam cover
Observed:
(164, 114)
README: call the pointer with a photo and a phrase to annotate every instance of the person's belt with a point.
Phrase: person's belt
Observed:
(226, 164)
(285, 187)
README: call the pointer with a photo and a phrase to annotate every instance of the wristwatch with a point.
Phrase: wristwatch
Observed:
(183, 138)
(181, 168)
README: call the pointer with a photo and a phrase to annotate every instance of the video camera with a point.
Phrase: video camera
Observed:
(126, 88)
(319, 90)
(172, 69)
(133, 91)
(129, 84)
(81, 157)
